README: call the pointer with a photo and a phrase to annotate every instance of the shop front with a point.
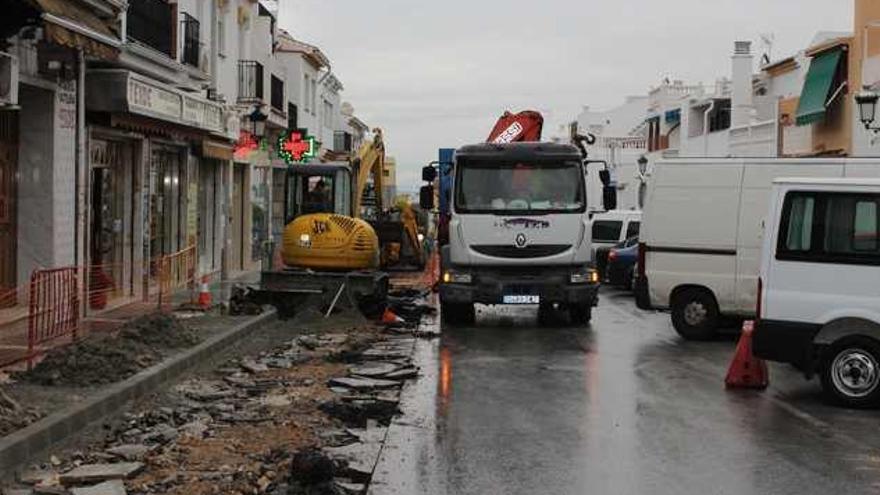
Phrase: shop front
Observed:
(8, 231)
(176, 197)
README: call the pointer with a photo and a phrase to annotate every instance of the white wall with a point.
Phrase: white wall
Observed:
(46, 180)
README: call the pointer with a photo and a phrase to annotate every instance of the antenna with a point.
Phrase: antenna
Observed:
(768, 39)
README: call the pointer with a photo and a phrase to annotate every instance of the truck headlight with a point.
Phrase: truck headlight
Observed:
(586, 276)
(451, 277)
(305, 240)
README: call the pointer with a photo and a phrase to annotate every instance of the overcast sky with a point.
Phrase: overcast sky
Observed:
(438, 74)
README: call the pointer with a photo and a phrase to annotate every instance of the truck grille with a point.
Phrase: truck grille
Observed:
(533, 251)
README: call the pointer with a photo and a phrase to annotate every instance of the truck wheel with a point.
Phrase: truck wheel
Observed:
(695, 314)
(457, 314)
(850, 372)
(580, 315)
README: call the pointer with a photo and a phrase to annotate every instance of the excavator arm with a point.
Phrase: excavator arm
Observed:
(370, 159)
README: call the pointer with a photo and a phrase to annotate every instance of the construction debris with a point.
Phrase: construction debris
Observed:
(107, 359)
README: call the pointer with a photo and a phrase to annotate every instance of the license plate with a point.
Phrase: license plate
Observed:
(519, 299)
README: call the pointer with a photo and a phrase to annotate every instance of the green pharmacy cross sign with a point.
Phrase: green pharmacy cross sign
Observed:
(296, 147)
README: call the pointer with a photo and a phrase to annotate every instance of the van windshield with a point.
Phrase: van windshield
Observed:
(503, 187)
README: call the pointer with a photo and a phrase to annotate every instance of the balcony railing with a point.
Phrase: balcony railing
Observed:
(191, 40)
(250, 80)
(151, 23)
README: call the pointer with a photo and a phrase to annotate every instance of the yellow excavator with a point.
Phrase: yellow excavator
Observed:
(327, 244)
(325, 230)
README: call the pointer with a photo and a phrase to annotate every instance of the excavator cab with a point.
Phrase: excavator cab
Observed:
(322, 188)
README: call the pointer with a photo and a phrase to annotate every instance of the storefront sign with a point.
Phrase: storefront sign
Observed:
(153, 100)
(124, 91)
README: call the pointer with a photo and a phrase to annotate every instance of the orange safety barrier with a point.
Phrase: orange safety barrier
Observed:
(431, 275)
(177, 271)
(53, 306)
(13, 324)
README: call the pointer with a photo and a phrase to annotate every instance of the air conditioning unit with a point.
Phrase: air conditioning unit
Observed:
(8, 80)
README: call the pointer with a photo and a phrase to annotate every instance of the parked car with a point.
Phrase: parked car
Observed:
(615, 226)
(702, 234)
(602, 254)
(621, 263)
(819, 304)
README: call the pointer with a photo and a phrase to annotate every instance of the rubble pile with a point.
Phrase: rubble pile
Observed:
(13, 415)
(308, 417)
(107, 359)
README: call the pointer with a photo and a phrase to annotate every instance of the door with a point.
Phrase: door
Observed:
(8, 191)
(236, 218)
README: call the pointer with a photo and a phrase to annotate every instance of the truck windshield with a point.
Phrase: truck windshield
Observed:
(502, 187)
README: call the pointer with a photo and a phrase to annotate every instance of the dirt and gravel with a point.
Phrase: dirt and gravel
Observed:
(113, 357)
(303, 392)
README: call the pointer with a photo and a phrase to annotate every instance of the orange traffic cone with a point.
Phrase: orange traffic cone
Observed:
(204, 294)
(389, 317)
(747, 371)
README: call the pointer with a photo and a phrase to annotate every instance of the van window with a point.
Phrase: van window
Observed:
(800, 224)
(607, 230)
(830, 228)
(851, 224)
(632, 230)
(865, 235)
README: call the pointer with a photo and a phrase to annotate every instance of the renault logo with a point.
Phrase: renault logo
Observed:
(521, 240)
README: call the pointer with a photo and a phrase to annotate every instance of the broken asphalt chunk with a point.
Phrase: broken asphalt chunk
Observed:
(101, 472)
(362, 383)
(112, 487)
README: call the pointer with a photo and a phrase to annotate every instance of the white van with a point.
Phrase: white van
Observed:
(614, 226)
(702, 233)
(819, 305)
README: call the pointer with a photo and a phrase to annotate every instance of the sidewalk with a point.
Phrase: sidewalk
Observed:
(14, 329)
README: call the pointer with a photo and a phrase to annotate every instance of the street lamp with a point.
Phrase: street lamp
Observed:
(643, 164)
(867, 101)
(258, 120)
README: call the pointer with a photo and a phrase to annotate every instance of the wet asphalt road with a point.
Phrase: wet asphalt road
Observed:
(621, 407)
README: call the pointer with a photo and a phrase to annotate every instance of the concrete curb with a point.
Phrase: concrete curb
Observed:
(407, 440)
(23, 445)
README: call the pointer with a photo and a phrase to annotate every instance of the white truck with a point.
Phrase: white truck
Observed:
(519, 232)
(702, 230)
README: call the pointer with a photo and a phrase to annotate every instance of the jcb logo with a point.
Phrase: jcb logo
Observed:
(320, 227)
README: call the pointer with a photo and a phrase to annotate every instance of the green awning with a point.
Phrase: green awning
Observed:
(818, 86)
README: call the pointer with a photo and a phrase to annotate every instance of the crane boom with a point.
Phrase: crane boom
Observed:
(522, 126)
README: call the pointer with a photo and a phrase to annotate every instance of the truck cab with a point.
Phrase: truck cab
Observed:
(519, 232)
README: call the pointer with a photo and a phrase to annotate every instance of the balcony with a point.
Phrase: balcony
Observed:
(191, 40)
(250, 81)
(151, 23)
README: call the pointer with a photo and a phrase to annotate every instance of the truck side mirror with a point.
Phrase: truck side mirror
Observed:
(605, 177)
(429, 173)
(609, 198)
(426, 197)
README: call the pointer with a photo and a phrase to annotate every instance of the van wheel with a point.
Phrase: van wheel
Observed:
(695, 314)
(851, 372)
(580, 315)
(457, 314)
